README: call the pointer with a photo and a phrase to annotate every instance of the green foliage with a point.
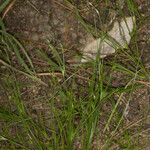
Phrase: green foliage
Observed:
(77, 112)
(4, 3)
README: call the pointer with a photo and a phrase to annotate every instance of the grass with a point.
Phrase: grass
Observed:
(81, 112)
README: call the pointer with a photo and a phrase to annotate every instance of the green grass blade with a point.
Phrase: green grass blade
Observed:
(4, 4)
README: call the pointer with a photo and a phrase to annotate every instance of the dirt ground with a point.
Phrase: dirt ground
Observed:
(34, 22)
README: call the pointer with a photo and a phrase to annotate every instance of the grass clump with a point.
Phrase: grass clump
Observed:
(78, 112)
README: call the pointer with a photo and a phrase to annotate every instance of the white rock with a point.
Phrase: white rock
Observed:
(119, 33)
